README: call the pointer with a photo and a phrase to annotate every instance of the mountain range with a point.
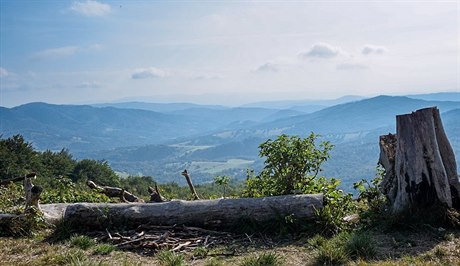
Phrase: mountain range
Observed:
(162, 139)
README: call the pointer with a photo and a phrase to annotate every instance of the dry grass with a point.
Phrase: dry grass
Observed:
(392, 248)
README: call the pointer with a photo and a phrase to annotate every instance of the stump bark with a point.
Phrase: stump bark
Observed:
(420, 164)
(219, 213)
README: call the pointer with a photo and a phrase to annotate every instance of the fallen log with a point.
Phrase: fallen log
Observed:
(420, 164)
(114, 192)
(218, 213)
(4, 182)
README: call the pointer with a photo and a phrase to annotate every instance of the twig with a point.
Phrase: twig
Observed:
(181, 246)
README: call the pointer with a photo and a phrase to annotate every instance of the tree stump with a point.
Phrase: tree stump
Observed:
(421, 170)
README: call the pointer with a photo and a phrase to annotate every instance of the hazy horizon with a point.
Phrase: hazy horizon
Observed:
(226, 53)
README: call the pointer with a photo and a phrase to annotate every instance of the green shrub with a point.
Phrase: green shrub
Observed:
(337, 205)
(169, 258)
(291, 163)
(66, 191)
(12, 198)
(361, 245)
(265, 259)
(291, 166)
(83, 242)
(372, 200)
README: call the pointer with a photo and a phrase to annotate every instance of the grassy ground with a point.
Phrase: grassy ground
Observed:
(419, 246)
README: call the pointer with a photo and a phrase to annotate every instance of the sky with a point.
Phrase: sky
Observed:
(224, 52)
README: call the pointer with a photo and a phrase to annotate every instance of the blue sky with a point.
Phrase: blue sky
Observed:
(224, 52)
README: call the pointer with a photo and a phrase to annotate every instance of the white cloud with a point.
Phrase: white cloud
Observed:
(95, 47)
(267, 67)
(322, 50)
(351, 66)
(56, 53)
(373, 49)
(4, 73)
(207, 77)
(151, 72)
(91, 8)
(89, 85)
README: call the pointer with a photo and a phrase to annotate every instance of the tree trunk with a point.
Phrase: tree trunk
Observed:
(420, 164)
(203, 213)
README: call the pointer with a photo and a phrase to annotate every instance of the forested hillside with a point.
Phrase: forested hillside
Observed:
(161, 139)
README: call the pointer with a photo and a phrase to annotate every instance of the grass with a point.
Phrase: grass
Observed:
(200, 252)
(169, 258)
(426, 249)
(104, 249)
(361, 245)
(213, 262)
(265, 259)
(83, 242)
(331, 254)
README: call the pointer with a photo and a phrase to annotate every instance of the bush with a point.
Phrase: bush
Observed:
(66, 191)
(291, 164)
(372, 200)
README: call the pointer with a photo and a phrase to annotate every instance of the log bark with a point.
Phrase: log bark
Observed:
(114, 192)
(219, 213)
(420, 164)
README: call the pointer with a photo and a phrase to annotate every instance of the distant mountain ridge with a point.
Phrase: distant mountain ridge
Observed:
(439, 96)
(211, 140)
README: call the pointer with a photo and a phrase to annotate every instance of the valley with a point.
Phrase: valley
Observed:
(160, 140)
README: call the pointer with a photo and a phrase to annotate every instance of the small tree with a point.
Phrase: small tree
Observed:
(291, 164)
(223, 182)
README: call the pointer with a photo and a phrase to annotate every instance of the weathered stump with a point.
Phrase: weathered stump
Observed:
(420, 164)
